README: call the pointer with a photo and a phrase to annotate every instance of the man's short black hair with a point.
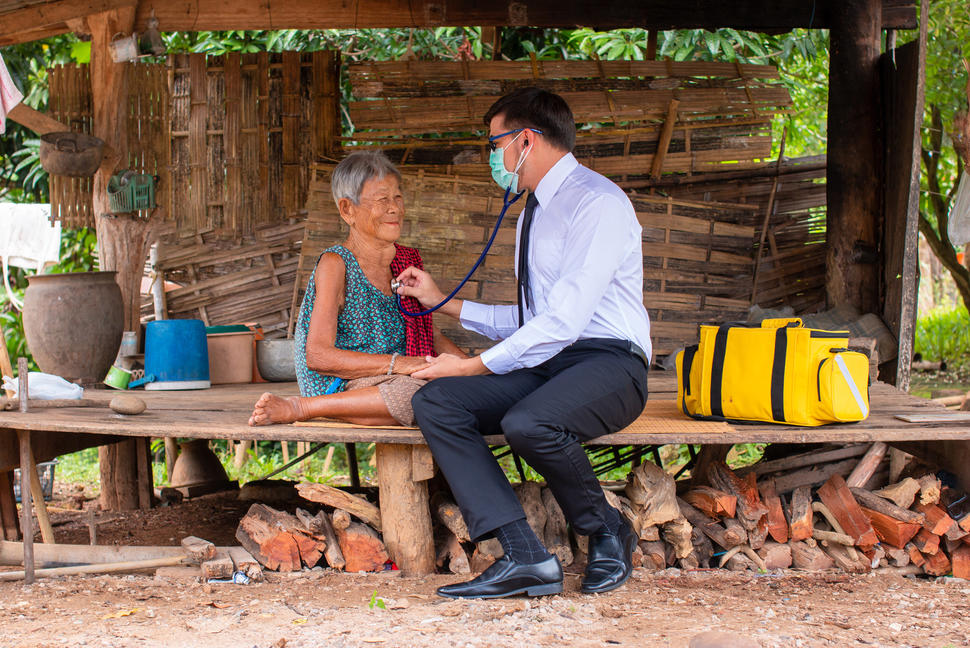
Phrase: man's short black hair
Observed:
(533, 107)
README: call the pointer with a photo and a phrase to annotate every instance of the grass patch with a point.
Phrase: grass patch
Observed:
(943, 334)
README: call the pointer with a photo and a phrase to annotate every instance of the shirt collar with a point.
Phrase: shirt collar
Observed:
(554, 178)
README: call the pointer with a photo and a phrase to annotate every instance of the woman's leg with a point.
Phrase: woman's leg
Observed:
(363, 406)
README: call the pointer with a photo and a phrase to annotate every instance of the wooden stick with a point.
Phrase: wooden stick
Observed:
(99, 568)
(833, 536)
(22, 389)
(867, 465)
(40, 506)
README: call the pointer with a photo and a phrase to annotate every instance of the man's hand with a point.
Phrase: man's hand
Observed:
(419, 284)
(447, 364)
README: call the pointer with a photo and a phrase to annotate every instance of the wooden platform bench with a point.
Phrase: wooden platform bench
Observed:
(404, 462)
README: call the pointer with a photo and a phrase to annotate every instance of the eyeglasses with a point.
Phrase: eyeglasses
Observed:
(494, 138)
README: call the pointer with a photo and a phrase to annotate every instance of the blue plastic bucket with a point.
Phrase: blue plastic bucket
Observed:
(176, 355)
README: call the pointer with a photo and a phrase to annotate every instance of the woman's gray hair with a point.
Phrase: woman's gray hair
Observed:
(357, 168)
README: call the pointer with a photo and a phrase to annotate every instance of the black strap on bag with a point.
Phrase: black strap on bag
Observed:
(717, 369)
(778, 375)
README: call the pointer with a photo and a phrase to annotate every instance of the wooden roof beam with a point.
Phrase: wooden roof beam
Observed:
(56, 17)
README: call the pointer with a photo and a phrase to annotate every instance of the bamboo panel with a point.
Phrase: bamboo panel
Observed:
(372, 79)
(225, 281)
(147, 118)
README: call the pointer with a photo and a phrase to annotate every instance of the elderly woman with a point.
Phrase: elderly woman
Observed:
(354, 349)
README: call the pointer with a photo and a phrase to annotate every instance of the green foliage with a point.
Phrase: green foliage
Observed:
(943, 334)
(79, 468)
(376, 601)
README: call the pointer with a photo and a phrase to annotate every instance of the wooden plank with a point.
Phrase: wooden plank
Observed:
(890, 530)
(198, 112)
(232, 142)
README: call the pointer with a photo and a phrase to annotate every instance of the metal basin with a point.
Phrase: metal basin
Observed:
(274, 358)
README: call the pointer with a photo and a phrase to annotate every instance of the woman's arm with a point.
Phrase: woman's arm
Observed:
(321, 353)
(444, 345)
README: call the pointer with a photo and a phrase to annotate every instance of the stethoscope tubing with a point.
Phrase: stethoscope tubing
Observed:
(505, 207)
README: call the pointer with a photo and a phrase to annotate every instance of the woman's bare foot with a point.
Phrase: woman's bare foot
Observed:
(273, 409)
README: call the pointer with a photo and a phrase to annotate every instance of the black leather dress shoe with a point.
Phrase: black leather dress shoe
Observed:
(505, 577)
(610, 560)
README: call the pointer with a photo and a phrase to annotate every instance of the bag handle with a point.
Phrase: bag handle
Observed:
(781, 322)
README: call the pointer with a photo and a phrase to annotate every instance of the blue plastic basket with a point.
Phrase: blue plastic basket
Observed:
(45, 470)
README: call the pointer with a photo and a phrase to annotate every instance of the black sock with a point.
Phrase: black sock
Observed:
(520, 542)
(613, 521)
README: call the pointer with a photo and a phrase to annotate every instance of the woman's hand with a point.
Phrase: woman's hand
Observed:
(447, 364)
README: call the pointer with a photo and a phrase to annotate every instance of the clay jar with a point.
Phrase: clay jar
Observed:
(73, 323)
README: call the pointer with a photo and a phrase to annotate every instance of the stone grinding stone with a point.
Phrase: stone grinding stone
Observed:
(127, 404)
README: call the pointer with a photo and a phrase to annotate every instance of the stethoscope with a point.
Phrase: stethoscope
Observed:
(395, 284)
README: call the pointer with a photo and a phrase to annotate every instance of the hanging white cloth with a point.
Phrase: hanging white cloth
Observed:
(10, 96)
(958, 227)
(28, 239)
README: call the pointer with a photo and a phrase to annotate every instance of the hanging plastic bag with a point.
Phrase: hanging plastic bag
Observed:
(42, 386)
(958, 228)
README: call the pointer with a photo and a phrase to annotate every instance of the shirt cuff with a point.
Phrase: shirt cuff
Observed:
(499, 360)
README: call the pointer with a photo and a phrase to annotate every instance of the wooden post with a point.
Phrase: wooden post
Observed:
(854, 155)
(405, 511)
(26, 517)
(8, 507)
(123, 239)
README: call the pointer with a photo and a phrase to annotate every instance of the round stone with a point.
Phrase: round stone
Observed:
(127, 404)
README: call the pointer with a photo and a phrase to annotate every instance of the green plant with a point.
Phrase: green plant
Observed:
(376, 602)
(943, 334)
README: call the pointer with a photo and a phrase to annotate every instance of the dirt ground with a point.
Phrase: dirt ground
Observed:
(324, 608)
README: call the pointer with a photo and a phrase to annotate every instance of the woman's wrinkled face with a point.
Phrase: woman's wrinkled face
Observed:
(380, 212)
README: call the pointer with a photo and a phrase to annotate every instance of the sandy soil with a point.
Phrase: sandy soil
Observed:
(325, 608)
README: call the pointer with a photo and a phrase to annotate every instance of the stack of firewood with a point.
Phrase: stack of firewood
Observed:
(813, 511)
(283, 541)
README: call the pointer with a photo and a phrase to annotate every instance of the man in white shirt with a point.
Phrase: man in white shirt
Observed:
(571, 364)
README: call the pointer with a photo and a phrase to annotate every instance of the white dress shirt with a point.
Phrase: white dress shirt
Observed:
(585, 269)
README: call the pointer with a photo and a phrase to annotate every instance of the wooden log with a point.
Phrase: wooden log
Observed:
(243, 561)
(813, 458)
(840, 556)
(808, 557)
(405, 512)
(901, 493)
(937, 521)
(278, 540)
(654, 554)
(198, 550)
(650, 533)
(8, 508)
(812, 476)
(450, 515)
(336, 498)
(750, 508)
(758, 535)
(486, 552)
(937, 564)
(677, 533)
(98, 568)
(218, 567)
(833, 537)
(915, 556)
(929, 489)
(555, 534)
(703, 548)
(801, 514)
(927, 543)
(711, 502)
(451, 552)
(362, 548)
(653, 495)
(725, 537)
(320, 527)
(530, 496)
(960, 558)
(776, 555)
(867, 466)
(890, 530)
(777, 524)
(340, 519)
(875, 502)
(740, 562)
(897, 557)
(689, 562)
(838, 498)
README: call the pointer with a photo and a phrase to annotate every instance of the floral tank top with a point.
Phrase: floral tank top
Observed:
(369, 322)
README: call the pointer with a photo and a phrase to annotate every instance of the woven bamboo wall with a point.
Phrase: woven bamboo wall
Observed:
(148, 116)
(638, 119)
(231, 137)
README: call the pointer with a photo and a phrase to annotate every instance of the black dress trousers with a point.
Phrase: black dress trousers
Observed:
(591, 388)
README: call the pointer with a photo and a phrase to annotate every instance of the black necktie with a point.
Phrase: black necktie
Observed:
(524, 292)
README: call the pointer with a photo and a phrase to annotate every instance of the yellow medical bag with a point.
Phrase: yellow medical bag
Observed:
(778, 372)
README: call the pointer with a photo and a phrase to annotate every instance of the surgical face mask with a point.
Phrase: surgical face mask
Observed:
(502, 176)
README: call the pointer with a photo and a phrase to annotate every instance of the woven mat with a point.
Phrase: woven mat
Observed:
(659, 417)
(664, 417)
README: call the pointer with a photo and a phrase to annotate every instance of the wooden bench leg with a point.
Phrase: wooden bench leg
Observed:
(405, 511)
